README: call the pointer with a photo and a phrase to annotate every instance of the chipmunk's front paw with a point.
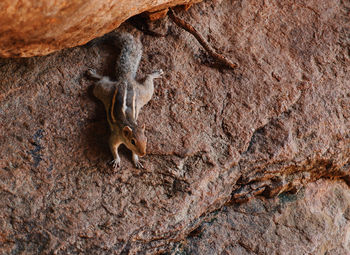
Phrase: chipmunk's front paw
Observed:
(138, 165)
(136, 161)
(115, 163)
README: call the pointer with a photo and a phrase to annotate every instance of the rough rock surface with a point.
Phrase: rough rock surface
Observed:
(39, 27)
(316, 220)
(276, 123)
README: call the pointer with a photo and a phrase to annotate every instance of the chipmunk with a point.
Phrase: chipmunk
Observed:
(124, 98)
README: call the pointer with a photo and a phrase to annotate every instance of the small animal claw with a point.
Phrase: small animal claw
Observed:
(115, 163)
(92, 73)
(136, 161)
(139, 165)
(158, 74)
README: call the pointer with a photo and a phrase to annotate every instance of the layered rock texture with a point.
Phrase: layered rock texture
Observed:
(39, 27)
(316, 220)
(239, 162)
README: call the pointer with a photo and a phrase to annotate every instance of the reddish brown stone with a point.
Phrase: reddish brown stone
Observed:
(314, 220)
(277, 122)
(152, 16)
(39, 27)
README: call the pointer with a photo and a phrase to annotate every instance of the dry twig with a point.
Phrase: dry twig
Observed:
(189, 28)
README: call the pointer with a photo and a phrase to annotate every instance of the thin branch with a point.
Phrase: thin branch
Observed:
(189, 28)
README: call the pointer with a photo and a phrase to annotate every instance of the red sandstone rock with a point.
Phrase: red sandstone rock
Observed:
(277, 122)
(316, 220)
(39, 27)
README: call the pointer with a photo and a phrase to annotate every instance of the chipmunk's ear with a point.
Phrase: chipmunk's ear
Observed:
(127, 131)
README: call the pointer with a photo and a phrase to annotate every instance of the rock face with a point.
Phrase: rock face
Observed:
(316, 220)
(276, 123)
(39, 27)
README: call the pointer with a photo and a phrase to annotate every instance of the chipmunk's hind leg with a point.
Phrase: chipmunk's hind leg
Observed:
(92, 74)
(103, 88)
(156, 74)
(145, 90)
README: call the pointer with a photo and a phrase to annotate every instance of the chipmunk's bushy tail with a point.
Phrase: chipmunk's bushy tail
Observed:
(130, 52)
(130, 55)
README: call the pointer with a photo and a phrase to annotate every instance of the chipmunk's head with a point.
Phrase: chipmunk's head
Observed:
(135, 139)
